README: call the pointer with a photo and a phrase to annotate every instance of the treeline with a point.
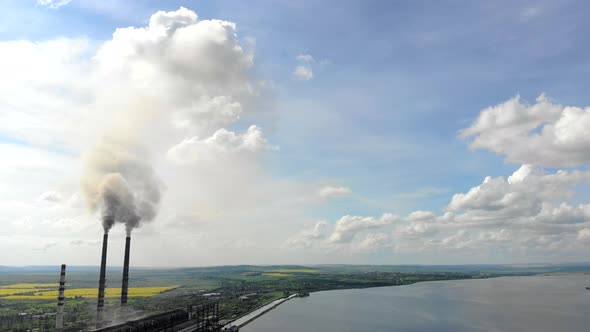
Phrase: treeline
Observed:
(40, 316)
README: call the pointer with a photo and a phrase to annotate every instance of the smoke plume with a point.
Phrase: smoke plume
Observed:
(119, 182)
(176, 81)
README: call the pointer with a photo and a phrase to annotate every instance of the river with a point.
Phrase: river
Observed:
(533, 303)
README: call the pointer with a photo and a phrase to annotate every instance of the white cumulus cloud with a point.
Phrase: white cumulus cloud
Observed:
(421, 216)
(306, 237)
(416, 230)
(523, 194)
(303, 73)
(221, 144)
(544, 133)
(348, 226)
(373, 242)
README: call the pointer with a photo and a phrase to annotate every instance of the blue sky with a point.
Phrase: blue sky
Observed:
(393, 85)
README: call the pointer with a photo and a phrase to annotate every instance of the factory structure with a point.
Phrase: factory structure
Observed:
(101, 320)
(193, 318)
(59, 317)
(200, 318)
(102, 281)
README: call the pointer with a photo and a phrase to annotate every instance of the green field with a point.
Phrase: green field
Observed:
(237, 289)
(297, 271)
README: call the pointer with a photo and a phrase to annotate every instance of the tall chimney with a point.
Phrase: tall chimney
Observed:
(125, 283)
(59, 317)
(102, 282)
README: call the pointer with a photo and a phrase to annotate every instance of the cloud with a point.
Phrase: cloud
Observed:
(305, 58)
(208, 113)
(303, 73)
(51, 197)
(148, 71)
(306, 237)
(543, 134)
(40, 104)
(221, 144)
(459, 240)
(334, 191)
(421, 216)
(348, 226)
(524, 215)
(523, 194)
(159, 60)
(53, 4)
(564, 214)
(527, 214)
(348, 231)
(174, 40)
(177, 88)
(373, 242)
(532, 214)
(502, 235)
(183, 88)
(152, 76)
(416, 230)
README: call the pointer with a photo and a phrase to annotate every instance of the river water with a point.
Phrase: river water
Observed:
(536, 303)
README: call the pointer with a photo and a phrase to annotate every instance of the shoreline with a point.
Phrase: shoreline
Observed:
(285, 299)
(263, 310)
(484, 296)
(280, 301)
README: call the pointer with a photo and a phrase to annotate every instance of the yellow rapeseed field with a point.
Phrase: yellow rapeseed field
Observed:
(16, 289)
(11, 291)
(41, 294)
(276, 274)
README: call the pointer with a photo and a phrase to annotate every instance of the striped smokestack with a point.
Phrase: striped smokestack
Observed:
(102, 281)
(125, 283)
(59, 317)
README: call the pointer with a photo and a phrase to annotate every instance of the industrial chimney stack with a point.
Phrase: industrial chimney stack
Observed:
(59, 317)
(125, 283)
(102, 281)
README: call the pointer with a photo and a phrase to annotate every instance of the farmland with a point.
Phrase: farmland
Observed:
(237, 289)
(49, 291)
(296, 270)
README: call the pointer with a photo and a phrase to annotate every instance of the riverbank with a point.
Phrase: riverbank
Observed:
(252, 315)
(261, 310)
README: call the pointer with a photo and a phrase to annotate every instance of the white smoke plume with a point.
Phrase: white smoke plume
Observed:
(176, 80)
(119, 181)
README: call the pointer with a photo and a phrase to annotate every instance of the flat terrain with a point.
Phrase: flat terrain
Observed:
(238, 289)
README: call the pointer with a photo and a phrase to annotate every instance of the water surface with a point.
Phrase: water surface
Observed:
(536, 303)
